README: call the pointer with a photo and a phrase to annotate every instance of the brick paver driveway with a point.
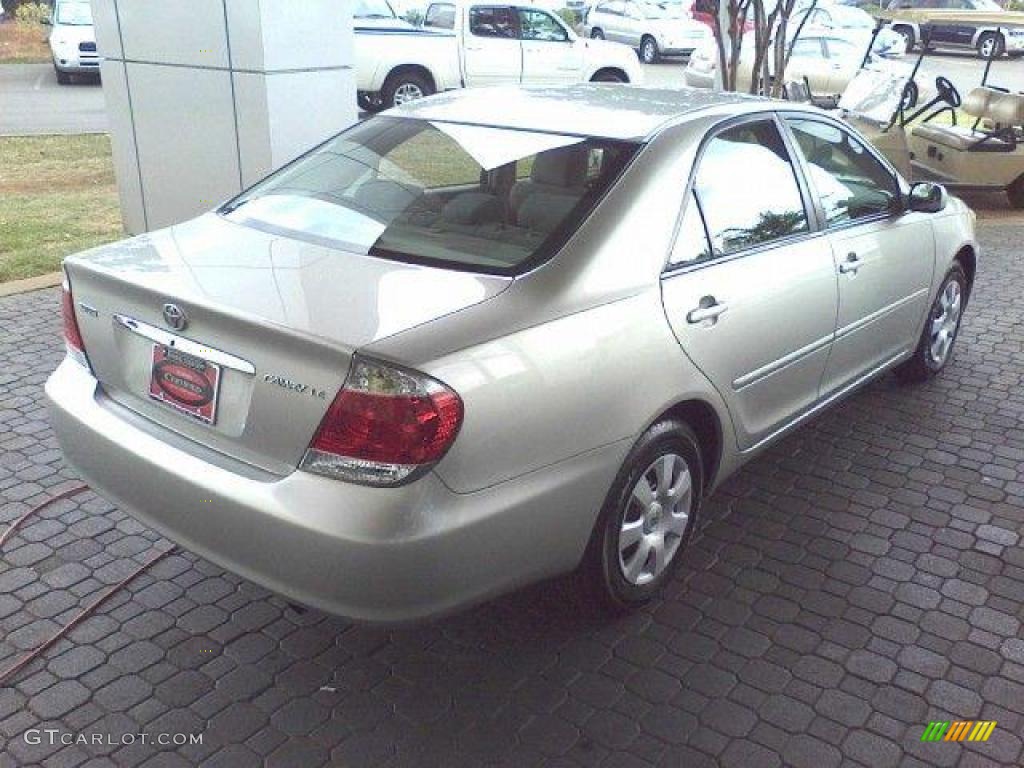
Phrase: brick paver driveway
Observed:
(862, 578)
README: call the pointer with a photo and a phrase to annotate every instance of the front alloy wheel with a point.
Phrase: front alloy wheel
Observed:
(935, 347)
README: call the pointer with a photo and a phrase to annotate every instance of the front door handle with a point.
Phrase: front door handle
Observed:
(852, 264)
(709, 309)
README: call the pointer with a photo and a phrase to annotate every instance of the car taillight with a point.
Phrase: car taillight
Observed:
(385, 427)
(72, 336)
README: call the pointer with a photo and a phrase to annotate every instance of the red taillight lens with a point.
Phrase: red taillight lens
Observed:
(384, 425)
(72, 336)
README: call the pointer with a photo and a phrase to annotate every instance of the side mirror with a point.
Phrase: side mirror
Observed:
(926, 197)
(47, 22)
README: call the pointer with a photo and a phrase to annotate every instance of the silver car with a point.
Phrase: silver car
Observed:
(653, 30)
(499, 335)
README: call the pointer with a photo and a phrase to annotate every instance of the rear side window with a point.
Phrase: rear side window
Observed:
(692, 241)
(850, 182)
(493, 22)
(747, 189)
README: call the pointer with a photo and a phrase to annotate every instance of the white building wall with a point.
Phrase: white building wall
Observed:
(205, 97)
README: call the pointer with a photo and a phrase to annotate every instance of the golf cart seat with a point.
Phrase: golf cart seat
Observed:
(1007, 110)
(979, 104)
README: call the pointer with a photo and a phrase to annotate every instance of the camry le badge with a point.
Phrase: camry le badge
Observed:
(175, 317)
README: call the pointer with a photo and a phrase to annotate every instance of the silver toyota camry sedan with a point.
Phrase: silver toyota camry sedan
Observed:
(499, 335)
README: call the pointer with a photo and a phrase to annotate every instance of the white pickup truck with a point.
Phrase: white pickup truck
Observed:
(485, 45)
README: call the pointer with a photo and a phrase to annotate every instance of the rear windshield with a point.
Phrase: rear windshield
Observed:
(447, 194)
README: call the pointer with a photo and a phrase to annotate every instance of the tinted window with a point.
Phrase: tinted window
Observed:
(747, 189)
(460, 196)
(850, 182)
(692, 240)
(537, 25)
(809, 47)
(493, 22)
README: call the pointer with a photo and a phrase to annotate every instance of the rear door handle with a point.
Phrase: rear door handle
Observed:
(708, 309)
(852, 264)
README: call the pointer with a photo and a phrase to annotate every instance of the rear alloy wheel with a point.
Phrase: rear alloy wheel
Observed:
(648, 50)
(607, 76)
(405, 87)
(596, 34)
(935, 347)
(909, 38)
(991, 45)
(647, 518)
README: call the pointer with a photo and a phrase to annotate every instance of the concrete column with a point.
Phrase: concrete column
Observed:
(206, 97)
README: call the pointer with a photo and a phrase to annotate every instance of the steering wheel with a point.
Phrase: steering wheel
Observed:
(947, 91)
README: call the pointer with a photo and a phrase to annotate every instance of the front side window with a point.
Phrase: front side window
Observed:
(440, 16)
(538, 25)
(428, 192)
(493, 22)
(850, 182)
(747, 189)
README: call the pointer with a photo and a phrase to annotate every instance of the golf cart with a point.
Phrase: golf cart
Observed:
(932, 142)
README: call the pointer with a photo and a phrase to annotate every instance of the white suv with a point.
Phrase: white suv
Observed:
(647, 27)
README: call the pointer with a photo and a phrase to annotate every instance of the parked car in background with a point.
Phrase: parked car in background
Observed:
(73, 40)
(496, 336)
(489, 45)
(979, 25)
(651, 29)
(854, 24)
(825, 61)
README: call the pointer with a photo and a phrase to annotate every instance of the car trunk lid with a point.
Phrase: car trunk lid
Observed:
(269, 328)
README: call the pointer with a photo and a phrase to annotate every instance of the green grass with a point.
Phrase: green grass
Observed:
(57, 196)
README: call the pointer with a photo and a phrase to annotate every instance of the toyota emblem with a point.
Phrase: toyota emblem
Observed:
(174, 316)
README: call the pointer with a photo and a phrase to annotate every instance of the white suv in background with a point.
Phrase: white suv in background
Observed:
(73, 40)
(649, 28)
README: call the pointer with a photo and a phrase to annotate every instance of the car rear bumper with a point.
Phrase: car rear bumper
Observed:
(372, 554)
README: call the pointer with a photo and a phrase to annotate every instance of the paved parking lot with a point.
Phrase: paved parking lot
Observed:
(862, 578)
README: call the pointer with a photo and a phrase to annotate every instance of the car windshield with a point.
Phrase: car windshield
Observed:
(74, 14)
(985, 5)
(373, 9)
(449, 194)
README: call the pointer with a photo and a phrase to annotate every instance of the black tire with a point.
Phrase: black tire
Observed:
(63, 78)
(649, 53)
(398, 82)
(908, 35)
(369, 102)
(609, 76)
(602, 569)
(991, 38)
(597, 33)
(1016, 193)
(923, 365)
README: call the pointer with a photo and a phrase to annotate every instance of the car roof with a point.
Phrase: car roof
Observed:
(599, 110)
